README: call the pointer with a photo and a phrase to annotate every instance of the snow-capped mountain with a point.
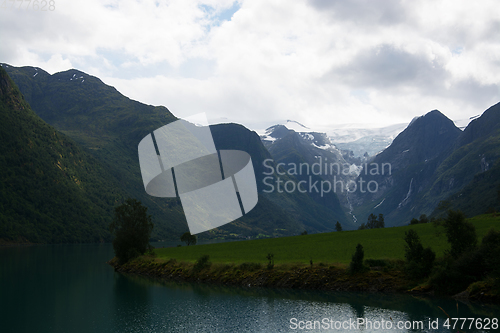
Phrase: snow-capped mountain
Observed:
(362, 140)
(347, 137)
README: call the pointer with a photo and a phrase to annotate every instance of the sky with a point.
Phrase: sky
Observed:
(260, 62)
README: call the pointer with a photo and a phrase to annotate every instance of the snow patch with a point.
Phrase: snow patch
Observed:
(381, 202)
(35, 74)
(324, 147)
(267, 138)
(307, 136)
(355, 169)
(405, 200)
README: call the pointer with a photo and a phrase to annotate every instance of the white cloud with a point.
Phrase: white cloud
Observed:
(317, 62)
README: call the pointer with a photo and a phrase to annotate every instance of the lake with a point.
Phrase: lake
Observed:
(70, 288)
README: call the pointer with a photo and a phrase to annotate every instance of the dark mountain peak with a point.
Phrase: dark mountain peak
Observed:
(31, 71)
(430, 117)
(485, 125)
(425, 138)
(73, 75)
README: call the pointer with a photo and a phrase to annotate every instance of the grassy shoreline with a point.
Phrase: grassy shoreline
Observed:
(244, 263)
(295, 276)
(331, 248)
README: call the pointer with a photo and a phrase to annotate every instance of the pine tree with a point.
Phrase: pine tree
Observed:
(338, 226)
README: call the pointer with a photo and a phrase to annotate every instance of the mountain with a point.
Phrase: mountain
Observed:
(471, 174)
(51, 190)
(294, 149)
(109, 126)
(301, 209)
(481, 127)
(404, 172)
(432, 161)
(354, 141)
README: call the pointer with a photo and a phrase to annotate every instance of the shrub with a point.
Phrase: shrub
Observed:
(250, 266)
(489, 250)
(376, 262)
(446, 279)
(455, 275)
(202, 263)
(270, 257)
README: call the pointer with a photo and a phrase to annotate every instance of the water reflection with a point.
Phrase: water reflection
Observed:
(214, 308)
(70, 288)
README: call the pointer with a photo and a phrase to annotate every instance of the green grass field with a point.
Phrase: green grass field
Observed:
(334, 247)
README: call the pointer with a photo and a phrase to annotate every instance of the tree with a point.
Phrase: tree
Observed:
(419, 261)
(460, 233)
(424, 219)
(356, 264)
(338, 226)
(372, 221)
(381, 222)
(303, 233)
(188, 238)
(132, 228)
(490, 251)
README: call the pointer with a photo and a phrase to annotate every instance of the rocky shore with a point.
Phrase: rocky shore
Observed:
(314, 277)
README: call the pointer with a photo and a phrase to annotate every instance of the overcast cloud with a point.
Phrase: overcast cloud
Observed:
(258, 62)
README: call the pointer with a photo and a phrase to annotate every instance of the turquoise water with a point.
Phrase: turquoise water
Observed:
(70, 288)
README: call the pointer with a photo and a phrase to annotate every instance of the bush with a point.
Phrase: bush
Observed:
(270, 257)
(489, 250)
(356, 264)
(202, 263)
(446, 279)
(250, 266)
(455, 275)
(376, 262)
